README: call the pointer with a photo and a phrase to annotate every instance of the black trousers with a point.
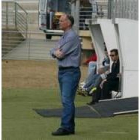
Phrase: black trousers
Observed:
(104, 93)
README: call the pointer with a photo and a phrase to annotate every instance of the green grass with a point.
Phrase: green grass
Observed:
(20, 122)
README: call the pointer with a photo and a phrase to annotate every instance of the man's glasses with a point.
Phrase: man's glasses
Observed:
(112, 55)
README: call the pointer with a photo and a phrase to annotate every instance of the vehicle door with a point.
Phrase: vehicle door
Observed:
(42, 14)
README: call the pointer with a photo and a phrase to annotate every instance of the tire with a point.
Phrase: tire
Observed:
(48, 36)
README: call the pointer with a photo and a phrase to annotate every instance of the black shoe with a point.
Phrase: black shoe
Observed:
(91, 103)
(89, 94)
(62, 132)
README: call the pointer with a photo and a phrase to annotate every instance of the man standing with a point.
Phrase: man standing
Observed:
(68, 54)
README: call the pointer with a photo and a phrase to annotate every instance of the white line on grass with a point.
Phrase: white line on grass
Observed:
(111, 132)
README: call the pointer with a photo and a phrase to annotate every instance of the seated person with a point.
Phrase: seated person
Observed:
(94, 79)
(91, 62)
(111, 82)
(91, 85)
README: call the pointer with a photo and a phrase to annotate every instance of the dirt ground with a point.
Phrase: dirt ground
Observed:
(31, 74)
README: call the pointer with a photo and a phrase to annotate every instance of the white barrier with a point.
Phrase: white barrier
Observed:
(98, 41)
(128, 38)
(123, 35)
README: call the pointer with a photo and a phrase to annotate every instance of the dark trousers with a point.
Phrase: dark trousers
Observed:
(104, 93)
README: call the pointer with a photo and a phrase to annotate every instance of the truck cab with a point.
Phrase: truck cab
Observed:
(49, 14)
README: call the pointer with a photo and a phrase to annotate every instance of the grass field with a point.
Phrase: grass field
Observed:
(24, 90)
(20, 122)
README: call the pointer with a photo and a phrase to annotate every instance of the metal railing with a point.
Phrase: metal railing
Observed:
(123, 9)
(11, 38)
(102, 9)
(86, 13)
(14, 17)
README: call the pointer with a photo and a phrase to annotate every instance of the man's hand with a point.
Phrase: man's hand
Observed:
(58, 53)
(101, 85)
(119, 75)
(101, 70)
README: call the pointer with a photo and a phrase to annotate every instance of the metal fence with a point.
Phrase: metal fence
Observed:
(86, 13)
(123, 9)
(14, 17)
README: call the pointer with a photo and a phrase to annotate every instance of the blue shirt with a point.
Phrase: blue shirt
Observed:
(70, 45)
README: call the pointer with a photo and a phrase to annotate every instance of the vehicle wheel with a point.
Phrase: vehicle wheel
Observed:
(48, 36)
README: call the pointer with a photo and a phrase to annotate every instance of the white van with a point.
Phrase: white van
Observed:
(49, 14)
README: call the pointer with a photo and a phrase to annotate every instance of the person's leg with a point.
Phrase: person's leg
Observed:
(92, 67)
(91, 80)
(106, 91)
(68, 80)
(96, 96)
(108, 86)
(98, 81)
(95, 82)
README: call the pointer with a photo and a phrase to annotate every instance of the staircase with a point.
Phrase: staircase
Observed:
(14, 25)
(10, 39)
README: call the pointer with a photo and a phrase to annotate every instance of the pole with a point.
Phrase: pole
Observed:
(77, 15)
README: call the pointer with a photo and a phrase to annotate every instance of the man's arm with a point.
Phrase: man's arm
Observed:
(114, 73)
(70, 45)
